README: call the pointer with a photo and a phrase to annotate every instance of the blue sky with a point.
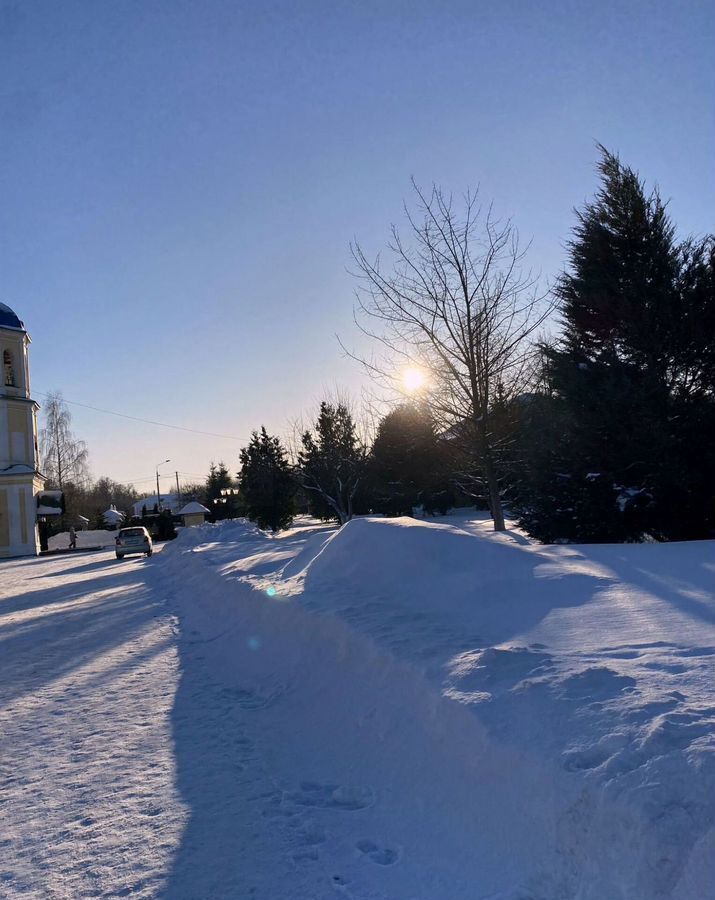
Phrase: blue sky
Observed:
(179, 181)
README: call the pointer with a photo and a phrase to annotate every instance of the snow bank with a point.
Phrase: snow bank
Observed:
(506, 720)
(91, 538)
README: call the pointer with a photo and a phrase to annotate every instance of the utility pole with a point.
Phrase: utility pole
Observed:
(178, 489)
(158, 494)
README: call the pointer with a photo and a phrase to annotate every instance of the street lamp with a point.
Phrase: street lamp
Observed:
(158, 495)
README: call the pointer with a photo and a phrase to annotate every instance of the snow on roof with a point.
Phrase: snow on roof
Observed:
(45, 510)
(113, 514)
(49, 503)
(193, 507)
(168, 501)
(9, 319)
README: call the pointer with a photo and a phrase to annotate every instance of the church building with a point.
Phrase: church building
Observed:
(20, 478)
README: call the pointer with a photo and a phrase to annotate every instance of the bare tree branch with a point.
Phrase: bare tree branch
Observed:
(457, 301)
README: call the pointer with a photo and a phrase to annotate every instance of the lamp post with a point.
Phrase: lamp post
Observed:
(158, 495)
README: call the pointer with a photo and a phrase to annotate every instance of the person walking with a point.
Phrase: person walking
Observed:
(73, 538)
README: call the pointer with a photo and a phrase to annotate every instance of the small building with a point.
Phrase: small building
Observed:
(193, 514)
(20, 477)
(112, 518)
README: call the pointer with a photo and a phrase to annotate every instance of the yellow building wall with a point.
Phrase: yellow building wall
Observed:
(18, 422)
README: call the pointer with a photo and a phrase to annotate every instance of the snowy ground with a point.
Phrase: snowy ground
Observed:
(398, 710)
(98, 537)
(89, 804)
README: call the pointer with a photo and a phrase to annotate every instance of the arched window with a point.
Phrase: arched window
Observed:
(8, 369)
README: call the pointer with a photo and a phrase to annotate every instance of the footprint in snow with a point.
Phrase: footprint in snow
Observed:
(381, 856)
(332, 796)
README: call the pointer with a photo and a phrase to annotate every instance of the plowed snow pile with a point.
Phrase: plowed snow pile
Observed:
(449, 714)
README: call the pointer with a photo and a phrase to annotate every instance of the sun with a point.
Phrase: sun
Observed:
(413, 379)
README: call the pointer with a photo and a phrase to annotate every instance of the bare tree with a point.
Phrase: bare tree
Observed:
(457, 302)
(64, 457)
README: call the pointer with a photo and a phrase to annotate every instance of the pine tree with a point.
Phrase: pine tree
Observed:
(624, 378)
(218, 480)
(331, 464)
(407, 465)
(266, 482)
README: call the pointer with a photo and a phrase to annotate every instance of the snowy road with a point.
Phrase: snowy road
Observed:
(89, 805)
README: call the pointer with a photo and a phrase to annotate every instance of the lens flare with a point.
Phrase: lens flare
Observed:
(271, 591)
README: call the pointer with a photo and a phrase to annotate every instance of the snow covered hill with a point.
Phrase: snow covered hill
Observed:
(448, 714)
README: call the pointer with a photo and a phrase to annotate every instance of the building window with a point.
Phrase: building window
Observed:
(8, 370)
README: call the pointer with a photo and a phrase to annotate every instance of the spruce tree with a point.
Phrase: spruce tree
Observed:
(266, 482)
(619, 465)
(407, 465)
(218, 480)
(331, 464)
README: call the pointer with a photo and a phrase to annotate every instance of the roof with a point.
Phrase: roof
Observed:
(168, 501)
(9, 319)
(193, 507)
(112, 514)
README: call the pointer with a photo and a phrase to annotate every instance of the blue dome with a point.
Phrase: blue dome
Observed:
(8, 319)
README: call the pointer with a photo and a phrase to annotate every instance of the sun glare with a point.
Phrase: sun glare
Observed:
(413, 379)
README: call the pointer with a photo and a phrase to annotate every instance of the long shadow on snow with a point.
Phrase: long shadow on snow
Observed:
(124, 609)
(222, 852)
(215, 768)
(677, 573)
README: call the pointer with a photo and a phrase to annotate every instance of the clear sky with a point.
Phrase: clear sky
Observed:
(180, 179)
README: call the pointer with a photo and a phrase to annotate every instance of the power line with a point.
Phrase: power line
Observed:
(110, 412)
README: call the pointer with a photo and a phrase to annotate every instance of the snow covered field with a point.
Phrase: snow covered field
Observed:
(400, 710)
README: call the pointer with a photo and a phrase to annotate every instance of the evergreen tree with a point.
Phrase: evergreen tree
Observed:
(219, 479)
(628, 381)
(331, 464)
(266, 482)
(407, 465)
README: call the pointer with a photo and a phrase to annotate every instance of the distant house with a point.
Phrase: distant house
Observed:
(194, 514)
(172, 502)
(112, 518)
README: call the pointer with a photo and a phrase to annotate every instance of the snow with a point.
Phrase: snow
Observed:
(172, 502)
(402, 709)
(112, 516)
(88, 792)
(91, 538)
(193, 507)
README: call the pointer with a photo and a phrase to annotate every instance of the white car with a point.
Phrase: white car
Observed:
(133, 540)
